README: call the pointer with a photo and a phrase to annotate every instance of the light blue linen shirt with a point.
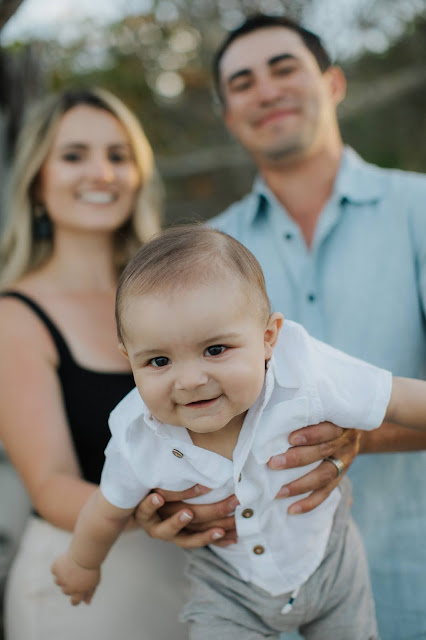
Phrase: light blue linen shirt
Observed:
(361, 287)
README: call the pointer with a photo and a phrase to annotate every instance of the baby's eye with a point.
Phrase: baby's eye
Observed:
(160, 361)
(215, 350)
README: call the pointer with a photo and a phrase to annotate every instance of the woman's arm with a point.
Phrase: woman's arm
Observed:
(33, 424)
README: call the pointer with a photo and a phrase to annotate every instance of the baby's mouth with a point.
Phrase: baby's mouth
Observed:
(202, 403)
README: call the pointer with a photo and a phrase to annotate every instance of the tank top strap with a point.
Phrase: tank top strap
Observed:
(58, 339)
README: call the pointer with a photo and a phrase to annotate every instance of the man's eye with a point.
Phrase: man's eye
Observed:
(160, 361)
(240, 86)
(284, 71)
(215, 350)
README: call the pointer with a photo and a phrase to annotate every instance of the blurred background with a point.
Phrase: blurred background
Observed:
(155, 55)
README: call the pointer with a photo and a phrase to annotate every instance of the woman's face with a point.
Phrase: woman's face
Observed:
(89, 179)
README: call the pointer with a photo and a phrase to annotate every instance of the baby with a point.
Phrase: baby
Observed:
(221, 383)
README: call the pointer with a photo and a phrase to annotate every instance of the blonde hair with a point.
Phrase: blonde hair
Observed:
(188, 255)
(22, 252)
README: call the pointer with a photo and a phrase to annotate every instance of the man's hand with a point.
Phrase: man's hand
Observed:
(163, 515)
(75, 581)
(311, 444)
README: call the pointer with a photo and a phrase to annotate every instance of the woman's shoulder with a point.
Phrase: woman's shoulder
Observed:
(22, 324)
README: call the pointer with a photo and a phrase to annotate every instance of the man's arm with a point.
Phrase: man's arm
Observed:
(98, 526)
(392, 438)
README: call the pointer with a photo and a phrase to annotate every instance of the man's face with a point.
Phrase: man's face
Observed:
(277, 102)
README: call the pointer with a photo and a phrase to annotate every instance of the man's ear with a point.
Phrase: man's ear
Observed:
(273, 327)
(123, 350)
(337, 83)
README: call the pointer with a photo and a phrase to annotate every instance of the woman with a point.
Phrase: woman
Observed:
(84, 195)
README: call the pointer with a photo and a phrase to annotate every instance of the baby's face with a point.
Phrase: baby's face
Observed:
(197, 355)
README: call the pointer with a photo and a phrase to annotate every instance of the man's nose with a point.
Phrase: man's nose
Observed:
(268, 90)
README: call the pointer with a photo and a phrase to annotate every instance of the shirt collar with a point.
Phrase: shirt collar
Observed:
(357, 181)
(286, 377)
(163, 430)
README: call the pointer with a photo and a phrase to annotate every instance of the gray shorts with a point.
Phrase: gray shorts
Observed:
(335, 603)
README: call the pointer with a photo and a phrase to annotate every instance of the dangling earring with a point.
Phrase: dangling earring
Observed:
(42, 224)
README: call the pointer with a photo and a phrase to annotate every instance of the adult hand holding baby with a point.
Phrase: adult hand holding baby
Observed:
(164, 515)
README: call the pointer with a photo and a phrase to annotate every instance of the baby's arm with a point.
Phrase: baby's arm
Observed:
(98, 526)
(407, 405)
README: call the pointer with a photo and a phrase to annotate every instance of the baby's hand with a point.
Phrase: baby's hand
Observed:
(75, 581)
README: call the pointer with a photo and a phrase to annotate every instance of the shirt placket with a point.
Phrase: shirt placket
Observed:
(248, 516)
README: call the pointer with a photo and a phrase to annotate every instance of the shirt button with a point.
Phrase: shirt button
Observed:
(288, 236)
(258, 549)
(177, 453)
(247, 513)
(239, 478)
(311, 297)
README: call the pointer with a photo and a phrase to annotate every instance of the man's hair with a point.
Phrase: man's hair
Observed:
(186, 256)
(262, 21)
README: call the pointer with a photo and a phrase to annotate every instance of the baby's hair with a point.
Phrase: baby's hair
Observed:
(190, 255)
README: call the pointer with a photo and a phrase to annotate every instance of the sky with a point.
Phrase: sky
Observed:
(41, 18)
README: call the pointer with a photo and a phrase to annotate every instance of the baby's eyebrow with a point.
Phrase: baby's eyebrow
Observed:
(145, 354)
(222, 337)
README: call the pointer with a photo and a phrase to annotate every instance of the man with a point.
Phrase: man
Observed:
(343, 247)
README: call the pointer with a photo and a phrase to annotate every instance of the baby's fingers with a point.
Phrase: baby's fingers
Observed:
(76, 598)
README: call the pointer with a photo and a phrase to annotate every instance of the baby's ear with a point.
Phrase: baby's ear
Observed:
(123, 349)
(273, 327)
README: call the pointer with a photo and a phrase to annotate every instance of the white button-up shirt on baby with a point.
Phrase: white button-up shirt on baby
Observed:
(307, 382)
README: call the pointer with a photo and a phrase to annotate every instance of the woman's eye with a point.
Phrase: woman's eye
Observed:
(118, 158)
(160, 361)
(215, 350)
(71, 157)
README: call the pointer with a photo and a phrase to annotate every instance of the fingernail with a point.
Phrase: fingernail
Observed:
(294, 509)
(233, 504)
(283, 492)
(277, 462)
(297, 440)
(199, 489)
(185, 517)
(217, 535)
(156, 500)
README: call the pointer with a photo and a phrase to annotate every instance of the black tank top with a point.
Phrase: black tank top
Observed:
(89, 397)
